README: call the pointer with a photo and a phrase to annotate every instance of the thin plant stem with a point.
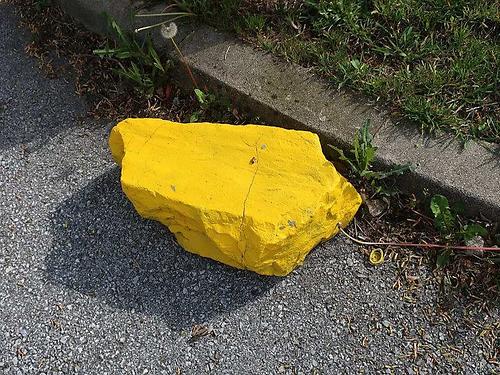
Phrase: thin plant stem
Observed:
(420, 245)
(164, 14)
(185, 63)
(156, 24)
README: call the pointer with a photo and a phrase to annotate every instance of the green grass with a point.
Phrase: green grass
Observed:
(435, 62)
(138, 62)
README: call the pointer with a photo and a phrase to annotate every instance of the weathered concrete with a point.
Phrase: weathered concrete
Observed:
(93, 13)
(288, 95)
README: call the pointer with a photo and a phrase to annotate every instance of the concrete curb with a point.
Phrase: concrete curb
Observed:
(289, 96)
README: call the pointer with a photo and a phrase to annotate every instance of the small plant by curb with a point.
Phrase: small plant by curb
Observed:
(452, 235)
(138, 62)
(447, 220)
(209, 104)
(360, 160)
(448, 223)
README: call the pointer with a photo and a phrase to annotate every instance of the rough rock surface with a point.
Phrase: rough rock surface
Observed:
(254, 197)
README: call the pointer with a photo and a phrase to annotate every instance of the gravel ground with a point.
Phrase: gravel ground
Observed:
(89, 287)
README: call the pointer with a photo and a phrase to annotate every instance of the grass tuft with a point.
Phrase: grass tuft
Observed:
(434, 62)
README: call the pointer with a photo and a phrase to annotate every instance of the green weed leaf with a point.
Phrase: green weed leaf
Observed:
(200, 96)
(356, 64)
(138, 62)
(472, 230)
(343, 157)
(444, 220)
(156, 59)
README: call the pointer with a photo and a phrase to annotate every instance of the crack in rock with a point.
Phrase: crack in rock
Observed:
(254, 160)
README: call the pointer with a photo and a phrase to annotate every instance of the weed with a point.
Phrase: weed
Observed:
(209, 106)
(138, 62)
(221, 11)
(446, 221)
(205, 101)
(361, 158)
(444, 218)
(469, 231)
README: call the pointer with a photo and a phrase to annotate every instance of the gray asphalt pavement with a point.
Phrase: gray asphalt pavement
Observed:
(88, 287)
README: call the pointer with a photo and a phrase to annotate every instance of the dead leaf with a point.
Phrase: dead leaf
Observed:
(376, 207)
(198, 331)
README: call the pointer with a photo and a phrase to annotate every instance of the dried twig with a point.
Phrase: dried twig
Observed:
(420, 245)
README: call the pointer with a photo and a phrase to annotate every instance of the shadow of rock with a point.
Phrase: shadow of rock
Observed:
(102, 248)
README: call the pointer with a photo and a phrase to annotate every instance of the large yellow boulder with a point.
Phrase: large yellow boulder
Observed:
(253, 197)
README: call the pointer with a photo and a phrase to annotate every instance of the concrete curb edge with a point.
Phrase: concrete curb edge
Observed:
(289, 96)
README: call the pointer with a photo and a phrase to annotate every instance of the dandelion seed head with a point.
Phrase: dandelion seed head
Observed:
(168, 32)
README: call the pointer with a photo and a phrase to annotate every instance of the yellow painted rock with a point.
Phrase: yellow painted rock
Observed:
(253, 197)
